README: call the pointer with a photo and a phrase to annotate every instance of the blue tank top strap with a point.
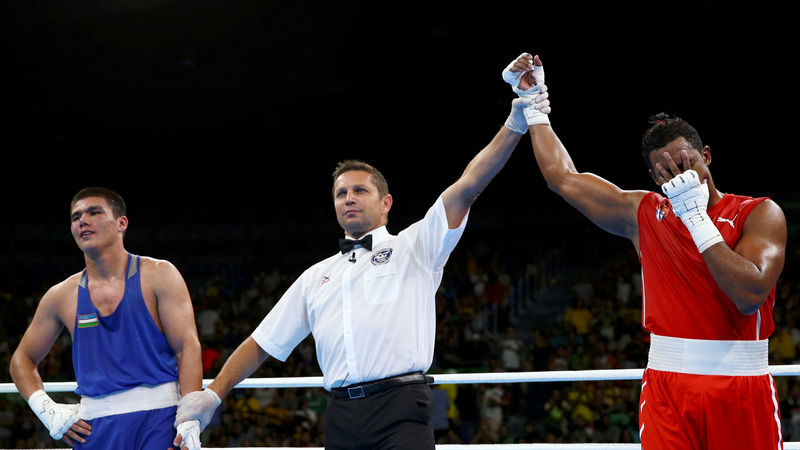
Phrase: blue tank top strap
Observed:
(133, 266)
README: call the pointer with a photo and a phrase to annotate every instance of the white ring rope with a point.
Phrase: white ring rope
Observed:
(442, 378)
(591, 446)
(458, 378)
(786, 446)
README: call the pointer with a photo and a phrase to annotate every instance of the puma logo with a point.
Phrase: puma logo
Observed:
(728, 221)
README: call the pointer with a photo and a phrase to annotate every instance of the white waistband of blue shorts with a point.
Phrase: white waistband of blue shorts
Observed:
(705, 357)
(140, 398)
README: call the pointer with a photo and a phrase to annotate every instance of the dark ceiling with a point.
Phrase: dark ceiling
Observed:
(210, 105)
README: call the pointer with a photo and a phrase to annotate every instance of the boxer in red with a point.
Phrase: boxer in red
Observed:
(710, 261)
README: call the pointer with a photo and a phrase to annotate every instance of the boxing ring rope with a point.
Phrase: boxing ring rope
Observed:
(439, 378)
(786, 446)
(459, 378)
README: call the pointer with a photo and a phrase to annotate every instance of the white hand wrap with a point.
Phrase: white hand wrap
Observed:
(197, 405)
(528, 111)
(190, 434)
(516, 121)
(689, 200)
(513, 78)
(538, 108)
(56, 417)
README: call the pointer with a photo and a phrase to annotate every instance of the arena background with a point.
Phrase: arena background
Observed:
(221, 122)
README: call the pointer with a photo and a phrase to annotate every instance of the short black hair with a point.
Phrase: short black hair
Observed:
(115, 201)
(665, 129)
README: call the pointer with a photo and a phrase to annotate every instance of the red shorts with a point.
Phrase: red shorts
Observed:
(685, 411)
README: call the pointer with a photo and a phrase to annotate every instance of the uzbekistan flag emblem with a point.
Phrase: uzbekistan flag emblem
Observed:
(87, 320)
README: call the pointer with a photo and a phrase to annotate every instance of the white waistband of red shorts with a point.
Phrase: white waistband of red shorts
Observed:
(140, 398)
(705, 357)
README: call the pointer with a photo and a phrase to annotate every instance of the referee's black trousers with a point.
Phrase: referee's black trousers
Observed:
(396, 419)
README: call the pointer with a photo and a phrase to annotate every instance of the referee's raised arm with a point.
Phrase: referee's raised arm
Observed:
(479, 172)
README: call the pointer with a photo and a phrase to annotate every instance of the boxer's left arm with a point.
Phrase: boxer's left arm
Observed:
(176, 314)
(748, 272)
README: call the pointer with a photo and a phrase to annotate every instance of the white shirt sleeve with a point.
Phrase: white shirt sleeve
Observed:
(286, 325)
(434, 238)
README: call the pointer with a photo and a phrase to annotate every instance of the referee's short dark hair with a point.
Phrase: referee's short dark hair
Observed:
(354, 164)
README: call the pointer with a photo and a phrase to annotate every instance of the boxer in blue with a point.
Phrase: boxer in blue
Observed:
(135, 348)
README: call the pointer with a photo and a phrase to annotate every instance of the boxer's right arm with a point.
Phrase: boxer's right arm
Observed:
(602, 202)
(60, 419)
(36, 343)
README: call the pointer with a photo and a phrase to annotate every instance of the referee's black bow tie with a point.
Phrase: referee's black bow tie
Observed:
(347, 244)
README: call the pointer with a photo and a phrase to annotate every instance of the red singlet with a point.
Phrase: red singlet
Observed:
(695, 400)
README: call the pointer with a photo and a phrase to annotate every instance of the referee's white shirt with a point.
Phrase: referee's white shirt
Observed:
(372, 318)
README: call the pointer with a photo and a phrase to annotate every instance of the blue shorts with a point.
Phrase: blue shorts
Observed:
(141, 430)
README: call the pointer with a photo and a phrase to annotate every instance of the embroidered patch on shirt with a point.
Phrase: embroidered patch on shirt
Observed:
(381, 256)
(663, 209)
(87, 320)
(325, 279)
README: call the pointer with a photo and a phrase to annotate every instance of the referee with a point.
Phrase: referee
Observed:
(370, 308)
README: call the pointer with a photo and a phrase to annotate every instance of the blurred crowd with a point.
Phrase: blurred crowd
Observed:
(502, 307)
